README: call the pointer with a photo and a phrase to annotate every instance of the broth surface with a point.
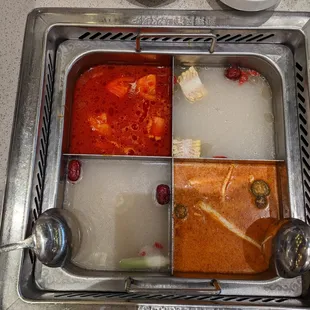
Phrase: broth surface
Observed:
(233, 120)
(224, 230)
(114, 202)
(122, 110)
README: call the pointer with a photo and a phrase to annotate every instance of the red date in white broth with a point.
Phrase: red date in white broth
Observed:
(74, 170)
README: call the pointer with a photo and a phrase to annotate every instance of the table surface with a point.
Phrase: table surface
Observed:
(12, 23)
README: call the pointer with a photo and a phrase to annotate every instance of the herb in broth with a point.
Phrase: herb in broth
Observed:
(260, 188)
(261, 202)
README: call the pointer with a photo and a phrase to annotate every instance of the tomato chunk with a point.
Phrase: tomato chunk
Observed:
(99, 123)
(146, 87)
(157, 127)
(120, 86)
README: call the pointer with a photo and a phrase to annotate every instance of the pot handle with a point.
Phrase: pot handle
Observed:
(173, 286)
(175, 35)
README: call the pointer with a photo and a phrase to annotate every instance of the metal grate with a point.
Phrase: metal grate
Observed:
(131, 296)
(43, 134)
(130, 36)
(303, 132)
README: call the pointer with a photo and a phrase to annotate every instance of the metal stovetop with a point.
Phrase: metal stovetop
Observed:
(46, 30)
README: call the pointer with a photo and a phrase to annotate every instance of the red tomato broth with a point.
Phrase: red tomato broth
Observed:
(111, 117)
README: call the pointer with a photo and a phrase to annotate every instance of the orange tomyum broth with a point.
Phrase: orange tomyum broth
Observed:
(224, 230)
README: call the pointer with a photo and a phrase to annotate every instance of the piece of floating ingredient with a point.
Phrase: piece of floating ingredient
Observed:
(233, 73)
(180, 211)
(243, 78)
(199, 181)
(233, 228)
(260, 188)
(226, 182)
(74, 170)
(261, 202)
(120, 86)
(191, 85)
(146, 87)
(186, 148)
(156, 127)
(100, 124)
(163, 194)
(144, 262)
(152, 250)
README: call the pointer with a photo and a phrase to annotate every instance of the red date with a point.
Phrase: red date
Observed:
(74, 170)
(233, 73)
(163, 194)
